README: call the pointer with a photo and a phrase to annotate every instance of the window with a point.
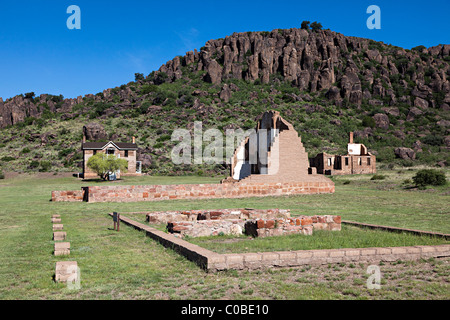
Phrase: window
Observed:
(346, 161)
(110, 151)
(368, 161)
(359, 161)
(95, 152)
(329, 162)
(126, 153)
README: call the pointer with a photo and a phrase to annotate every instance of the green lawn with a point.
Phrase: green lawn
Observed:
(348, 237)
(128, 265)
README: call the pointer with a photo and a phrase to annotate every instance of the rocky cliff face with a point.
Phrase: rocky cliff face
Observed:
(18, 108)
(344, 69)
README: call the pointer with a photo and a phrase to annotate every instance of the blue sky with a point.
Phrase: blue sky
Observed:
(118, 38)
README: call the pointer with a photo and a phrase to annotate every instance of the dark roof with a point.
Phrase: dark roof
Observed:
(101, 145)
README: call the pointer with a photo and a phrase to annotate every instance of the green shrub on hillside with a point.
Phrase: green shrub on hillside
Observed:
(431, 177)
(8, 158)
(433, 140)
(45, 166)
(368, 122)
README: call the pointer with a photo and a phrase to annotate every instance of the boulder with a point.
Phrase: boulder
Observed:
(225, 93)
(447, 141)
(94, 131)
(405, 153)
(214, 72)
(421, 103)
(333, 93)
(363, 134)
(381, 121)
(394, 111)
(417, 146)
(413, 113)
(443, 123)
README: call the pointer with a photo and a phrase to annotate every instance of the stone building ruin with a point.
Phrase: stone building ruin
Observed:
(274, 153)
(357, 161)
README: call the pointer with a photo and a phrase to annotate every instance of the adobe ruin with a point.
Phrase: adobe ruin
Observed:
(357, 161)
(251, 222)
(279, 153)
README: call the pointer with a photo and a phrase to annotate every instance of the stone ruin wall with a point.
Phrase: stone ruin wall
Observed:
(256, 223)
(191, 191)
(68, 196)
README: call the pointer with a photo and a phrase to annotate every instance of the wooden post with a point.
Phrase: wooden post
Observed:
(116, 219)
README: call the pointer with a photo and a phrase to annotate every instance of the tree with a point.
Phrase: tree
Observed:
(316, 26)
(104, 164)
(419, 48)
(138, 76)
(29, 95)
(305, 25)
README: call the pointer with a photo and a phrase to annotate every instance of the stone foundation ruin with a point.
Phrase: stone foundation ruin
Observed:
(251, 222)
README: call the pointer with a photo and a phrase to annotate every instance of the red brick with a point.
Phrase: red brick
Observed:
(307, 221)
(260, 224)
(270, 224)
(179, 228)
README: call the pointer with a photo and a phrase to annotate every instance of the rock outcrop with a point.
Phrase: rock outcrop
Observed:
(405, 153)
(94, 131)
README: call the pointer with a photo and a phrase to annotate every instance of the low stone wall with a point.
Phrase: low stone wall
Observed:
(68, 196)
(326, 222)
(399, 230)
(195, 191)
(253, 222)
(301, 224)
(159, 217)
(212, 261)
(278, 227)
(205, 228)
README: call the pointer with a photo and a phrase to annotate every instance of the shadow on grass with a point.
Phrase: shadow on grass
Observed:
(99, 180)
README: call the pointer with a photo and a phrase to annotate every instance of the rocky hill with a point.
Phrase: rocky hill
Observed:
(396, 100)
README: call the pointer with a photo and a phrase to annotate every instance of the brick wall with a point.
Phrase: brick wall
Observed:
(357, 164)
(161, 217)
(256, 223)
(68, 196)
(198, 191)
(301, 224)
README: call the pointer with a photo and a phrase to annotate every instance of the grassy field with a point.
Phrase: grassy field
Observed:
(348, 237)
(128, 265)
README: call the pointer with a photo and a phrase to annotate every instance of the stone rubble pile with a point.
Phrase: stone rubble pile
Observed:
(256, 223)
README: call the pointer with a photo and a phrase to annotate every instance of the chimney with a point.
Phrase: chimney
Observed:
(351, 138)
(84, 138)
(134, 140)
